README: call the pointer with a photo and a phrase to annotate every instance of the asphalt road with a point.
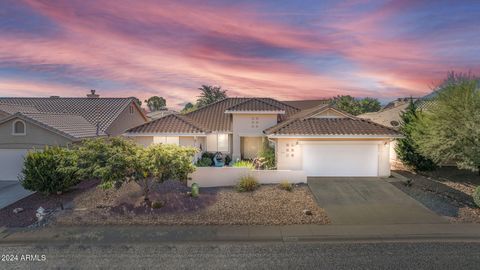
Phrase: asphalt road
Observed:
(270, 255)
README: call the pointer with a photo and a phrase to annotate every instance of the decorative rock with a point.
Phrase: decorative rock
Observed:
(307, 212)
(40, 213)
(17, 210)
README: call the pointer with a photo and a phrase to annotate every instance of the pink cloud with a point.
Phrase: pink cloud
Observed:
(163, 48)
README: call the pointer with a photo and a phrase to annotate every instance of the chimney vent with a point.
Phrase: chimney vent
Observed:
(92, 94)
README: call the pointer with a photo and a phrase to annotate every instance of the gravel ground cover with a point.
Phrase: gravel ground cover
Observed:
(449, 197)
(268, 205)
(31, 203)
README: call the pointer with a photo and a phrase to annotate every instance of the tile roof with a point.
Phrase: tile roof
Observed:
(214, 118)
(71, 126)
(333, 126)
(303, 123)
(172, 123)
(14, 108)
(254, 105)
(95, 110)
(159, 114)
(306, 104)
(387, 117)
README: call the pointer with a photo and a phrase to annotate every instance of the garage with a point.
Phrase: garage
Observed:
(335, 159)
(11, 163)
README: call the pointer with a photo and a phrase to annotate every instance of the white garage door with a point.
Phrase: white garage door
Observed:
(340, 159)
(11, 163)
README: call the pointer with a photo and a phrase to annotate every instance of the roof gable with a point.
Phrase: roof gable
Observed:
(172, 123)
(73, 127)
(102, 111)
(317, 121)
(255, 105)
(214, 118)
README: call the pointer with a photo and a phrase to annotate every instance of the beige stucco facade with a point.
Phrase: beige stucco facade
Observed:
(35, 137)
(249, 125)
(130, 117)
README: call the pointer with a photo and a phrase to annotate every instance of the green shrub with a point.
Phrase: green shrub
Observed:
(172, 162)
(247, 183)
(476, 196)
(243, 164)
(50, 171)
(209, 155)
(157, 204)
(267, 156)
(228, 159)
(109, 159)
(406, 148)
(285, 185)
(204, 162)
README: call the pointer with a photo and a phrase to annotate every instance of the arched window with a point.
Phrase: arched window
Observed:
(19, 128)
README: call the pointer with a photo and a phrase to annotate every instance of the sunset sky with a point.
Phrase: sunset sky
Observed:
(280, 49)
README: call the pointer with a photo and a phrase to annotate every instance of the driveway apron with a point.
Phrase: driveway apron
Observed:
(368, 200)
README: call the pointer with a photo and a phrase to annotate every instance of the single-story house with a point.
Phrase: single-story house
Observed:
(320, 140)
(28, 123)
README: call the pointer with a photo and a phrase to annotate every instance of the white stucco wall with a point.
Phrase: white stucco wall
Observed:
(289, 153)
(249, 125)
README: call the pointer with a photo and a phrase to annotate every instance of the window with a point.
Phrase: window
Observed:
(18, 128)
(132, 110)
(217, 143)
(222, 145)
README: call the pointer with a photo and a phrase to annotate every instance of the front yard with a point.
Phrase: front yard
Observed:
(268, 205)
(446, 191)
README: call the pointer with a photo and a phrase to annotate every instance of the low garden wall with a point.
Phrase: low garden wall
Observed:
(229, 176)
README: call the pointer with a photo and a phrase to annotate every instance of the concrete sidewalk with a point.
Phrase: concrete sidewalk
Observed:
(290, 233)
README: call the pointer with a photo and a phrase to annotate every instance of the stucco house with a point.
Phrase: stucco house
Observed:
(27, 123)
(320, 140)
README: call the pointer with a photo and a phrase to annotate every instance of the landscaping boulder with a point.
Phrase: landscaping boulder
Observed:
(18, 210)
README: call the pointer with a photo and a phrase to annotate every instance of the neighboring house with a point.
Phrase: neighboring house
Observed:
(320, 140)
(28, 123)
(160, 113)
(389, 116)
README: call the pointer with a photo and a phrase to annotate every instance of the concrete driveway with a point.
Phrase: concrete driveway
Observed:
(368, 200)
(10, 192)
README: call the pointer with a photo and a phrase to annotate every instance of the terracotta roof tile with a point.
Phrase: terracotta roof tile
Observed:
(303, 123)
(173, 123)
(333, 126)
(253, 105)
(214, 118)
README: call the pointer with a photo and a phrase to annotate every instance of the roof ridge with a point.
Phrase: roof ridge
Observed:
(208, 105)
(253, 99)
